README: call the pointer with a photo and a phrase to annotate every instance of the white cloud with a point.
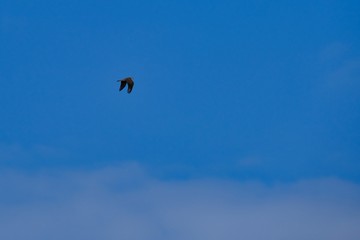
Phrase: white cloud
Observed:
(125, 203)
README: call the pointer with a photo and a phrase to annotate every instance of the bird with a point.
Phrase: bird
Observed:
(127, 81)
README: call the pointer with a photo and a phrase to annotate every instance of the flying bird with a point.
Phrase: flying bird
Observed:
(127, 81)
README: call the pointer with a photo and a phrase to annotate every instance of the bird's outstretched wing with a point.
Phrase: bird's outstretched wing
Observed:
(122, 85)
(130, 85)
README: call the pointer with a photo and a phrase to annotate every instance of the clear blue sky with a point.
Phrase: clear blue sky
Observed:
(252, 90)
(245, 89)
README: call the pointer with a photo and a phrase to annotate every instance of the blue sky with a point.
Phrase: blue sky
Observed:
(228, 91)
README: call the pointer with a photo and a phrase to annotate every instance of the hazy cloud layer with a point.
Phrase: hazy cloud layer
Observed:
(341, 69)
(126, 203)
(15, 153)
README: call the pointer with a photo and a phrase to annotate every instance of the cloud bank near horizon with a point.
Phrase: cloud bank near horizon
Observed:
(125, 202)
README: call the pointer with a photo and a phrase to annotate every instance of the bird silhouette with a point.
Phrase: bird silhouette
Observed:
(127, 81)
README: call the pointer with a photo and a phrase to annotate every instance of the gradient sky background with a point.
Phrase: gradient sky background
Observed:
(228, 91)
